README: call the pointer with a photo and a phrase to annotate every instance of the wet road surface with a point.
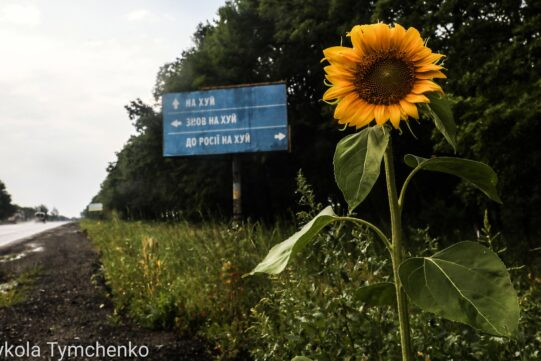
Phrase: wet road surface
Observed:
(12, 233)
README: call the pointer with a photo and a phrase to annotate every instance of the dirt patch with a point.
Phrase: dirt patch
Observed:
(64, 305)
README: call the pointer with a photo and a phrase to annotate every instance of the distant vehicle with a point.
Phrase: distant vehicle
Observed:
(41, 216)
(16, 218)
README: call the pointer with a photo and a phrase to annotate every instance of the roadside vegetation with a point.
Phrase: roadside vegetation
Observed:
(188, 277)
(13, 289)
(185, 276)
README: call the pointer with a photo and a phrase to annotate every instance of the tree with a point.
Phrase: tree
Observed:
(494, 68)
(6, 208)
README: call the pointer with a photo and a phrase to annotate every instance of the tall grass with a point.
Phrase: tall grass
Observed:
(186, 276)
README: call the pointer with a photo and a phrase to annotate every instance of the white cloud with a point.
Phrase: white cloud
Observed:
(140, 15)
(66, 73)
(20, 14)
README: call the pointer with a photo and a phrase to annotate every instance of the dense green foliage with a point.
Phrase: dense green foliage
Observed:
(494, 72)
(6, 208)
(184, 276)
(188, 277)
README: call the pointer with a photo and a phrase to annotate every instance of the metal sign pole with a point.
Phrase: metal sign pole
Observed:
(237, 193)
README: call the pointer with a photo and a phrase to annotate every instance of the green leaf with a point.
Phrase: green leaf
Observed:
(466, 283)
(279, 255)
(357, 163)
(377, 294)
(442, 115)
(301, 358)
(479, 174)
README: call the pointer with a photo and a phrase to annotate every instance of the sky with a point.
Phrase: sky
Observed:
(67, 69)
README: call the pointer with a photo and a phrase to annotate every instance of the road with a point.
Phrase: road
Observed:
(64, 298)
(11, 233)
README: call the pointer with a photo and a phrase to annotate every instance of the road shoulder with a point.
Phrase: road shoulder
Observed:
(66, 303)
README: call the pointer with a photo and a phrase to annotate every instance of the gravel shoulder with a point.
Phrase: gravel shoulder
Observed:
(64, 303)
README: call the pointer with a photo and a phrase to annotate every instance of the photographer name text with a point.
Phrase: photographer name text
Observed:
(59, 352)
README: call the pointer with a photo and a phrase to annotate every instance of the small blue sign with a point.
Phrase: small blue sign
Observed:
(229, 120)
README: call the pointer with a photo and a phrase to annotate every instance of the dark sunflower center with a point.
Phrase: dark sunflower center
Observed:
(384, 79)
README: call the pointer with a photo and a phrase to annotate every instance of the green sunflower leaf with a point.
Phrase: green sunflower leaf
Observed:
(357, 163)
(301, 358)
(479, 174)
(279, 255)
(377, 294)
(466, 283)
(442, 115)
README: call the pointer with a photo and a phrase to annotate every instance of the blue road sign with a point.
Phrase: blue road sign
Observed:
(230, 120)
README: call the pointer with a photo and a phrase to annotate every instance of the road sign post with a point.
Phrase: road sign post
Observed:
(242, 119)
(237, 188)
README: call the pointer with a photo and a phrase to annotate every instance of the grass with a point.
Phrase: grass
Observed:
(14, 291)
(186, 276)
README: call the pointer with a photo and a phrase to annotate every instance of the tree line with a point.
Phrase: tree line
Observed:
(494, 78)
(15, 213)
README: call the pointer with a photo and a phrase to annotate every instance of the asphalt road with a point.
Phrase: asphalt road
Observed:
(12, 233)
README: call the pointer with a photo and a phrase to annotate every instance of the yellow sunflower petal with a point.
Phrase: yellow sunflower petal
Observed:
(365, 114)
(394, 111)
(416, 98)
(336, 92)
(412, 40)
(340, 71)
(410, 109)
(356, 116)
(356, 107)
(430, 75)
(420, 54)
(423, 86)
(381, 113)
(428, 67)
(397, 35)
(362, 123)
(339, 80)
(383, 36)
(356, 38)
(341, 55)
(403, 114)
(341, 121)
(369, 39)
(433, 58)
(344, 108)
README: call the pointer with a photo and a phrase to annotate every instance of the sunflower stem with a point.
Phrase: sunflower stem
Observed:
(397, 252)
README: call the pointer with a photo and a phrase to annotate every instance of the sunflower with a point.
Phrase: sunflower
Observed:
(382, 77)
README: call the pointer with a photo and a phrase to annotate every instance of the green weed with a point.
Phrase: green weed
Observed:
(15, 291)
(186, 276)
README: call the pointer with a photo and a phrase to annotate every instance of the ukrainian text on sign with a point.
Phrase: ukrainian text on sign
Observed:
(219, 121)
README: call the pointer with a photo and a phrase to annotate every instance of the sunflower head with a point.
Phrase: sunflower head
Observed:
(382, 77)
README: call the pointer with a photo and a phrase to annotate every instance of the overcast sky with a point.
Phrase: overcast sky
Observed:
(67, 68)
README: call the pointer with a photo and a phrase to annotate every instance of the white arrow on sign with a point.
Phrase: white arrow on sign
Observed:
(176, 103)
(176, 123)
(279, 136)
